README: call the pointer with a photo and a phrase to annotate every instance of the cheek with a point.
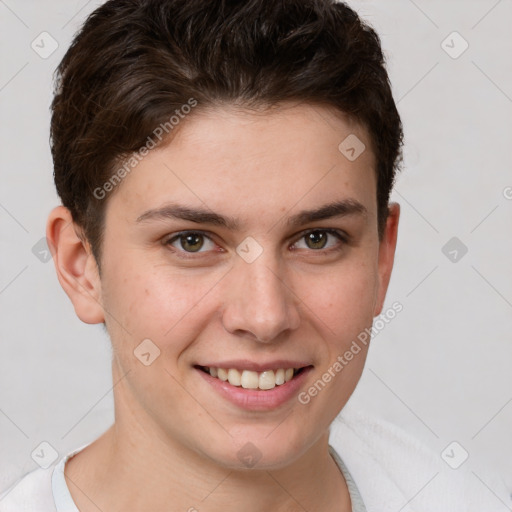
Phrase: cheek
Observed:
(341, 306)
(342, 299)
(159, 303)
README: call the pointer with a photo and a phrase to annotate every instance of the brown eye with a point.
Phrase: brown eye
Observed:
(194, 242)
(316, 239)
(189, 241)
(319, 239)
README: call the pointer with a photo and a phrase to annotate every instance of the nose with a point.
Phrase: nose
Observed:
(259, 303)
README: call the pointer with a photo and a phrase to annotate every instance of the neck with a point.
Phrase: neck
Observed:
(134, 466)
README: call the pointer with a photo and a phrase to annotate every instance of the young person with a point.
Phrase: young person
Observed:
(225, 171)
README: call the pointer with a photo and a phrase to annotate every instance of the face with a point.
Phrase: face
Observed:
(255, 284)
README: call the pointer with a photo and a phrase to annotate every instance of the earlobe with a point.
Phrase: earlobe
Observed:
(387, 248)
(75, 265)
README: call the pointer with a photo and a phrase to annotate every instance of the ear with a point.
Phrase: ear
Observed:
(387, 248)
(75, 265)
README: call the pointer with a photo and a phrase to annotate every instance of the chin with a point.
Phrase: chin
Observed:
(272, 451)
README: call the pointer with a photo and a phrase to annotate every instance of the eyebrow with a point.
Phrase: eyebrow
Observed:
(340, 208)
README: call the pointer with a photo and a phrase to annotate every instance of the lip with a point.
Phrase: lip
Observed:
(257, 400)
(245, 364)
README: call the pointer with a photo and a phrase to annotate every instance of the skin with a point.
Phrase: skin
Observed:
(175, 440)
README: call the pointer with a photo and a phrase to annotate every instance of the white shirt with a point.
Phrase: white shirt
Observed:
(386, 471)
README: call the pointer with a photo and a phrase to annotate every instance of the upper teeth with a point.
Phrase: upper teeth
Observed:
(248, 379)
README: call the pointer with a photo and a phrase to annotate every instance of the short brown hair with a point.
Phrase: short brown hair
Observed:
(135, 62)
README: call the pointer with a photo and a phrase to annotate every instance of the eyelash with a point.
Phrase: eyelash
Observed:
(342, 237)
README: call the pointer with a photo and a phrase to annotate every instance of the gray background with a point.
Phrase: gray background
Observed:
(441, 369)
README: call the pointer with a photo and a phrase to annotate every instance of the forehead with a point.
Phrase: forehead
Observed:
(240, 163)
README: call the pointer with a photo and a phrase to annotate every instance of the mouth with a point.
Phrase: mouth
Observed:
(248, 379)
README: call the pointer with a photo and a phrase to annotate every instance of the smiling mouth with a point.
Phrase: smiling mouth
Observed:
(248, 379)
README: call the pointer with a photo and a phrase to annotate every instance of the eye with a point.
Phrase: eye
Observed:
(190, 241)
(318, 239)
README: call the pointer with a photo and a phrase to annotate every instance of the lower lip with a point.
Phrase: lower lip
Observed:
(257, 400)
